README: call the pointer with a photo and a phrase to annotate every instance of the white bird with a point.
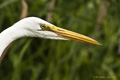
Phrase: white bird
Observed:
(36, 27)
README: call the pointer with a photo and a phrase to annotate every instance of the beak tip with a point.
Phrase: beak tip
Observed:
(98, 43)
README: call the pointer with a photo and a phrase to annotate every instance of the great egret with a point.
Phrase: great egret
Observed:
(36, 27)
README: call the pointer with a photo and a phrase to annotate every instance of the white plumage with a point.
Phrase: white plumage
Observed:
(28, 27)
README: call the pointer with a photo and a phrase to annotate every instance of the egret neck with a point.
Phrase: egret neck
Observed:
(7, 36)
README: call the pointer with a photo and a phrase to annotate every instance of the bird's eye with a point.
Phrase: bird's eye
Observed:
(43, 27)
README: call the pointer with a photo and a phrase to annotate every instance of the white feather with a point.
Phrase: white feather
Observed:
(27, 27)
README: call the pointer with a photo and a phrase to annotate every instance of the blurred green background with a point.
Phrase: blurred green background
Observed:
(43, 59)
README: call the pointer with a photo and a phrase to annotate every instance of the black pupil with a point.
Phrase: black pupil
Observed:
(43, 26)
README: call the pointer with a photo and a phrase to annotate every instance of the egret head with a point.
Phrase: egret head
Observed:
(36, 27)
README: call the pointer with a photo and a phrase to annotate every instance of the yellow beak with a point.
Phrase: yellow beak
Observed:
(72, 35)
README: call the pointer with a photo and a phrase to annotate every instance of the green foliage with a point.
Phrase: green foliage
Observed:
(42, 59)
